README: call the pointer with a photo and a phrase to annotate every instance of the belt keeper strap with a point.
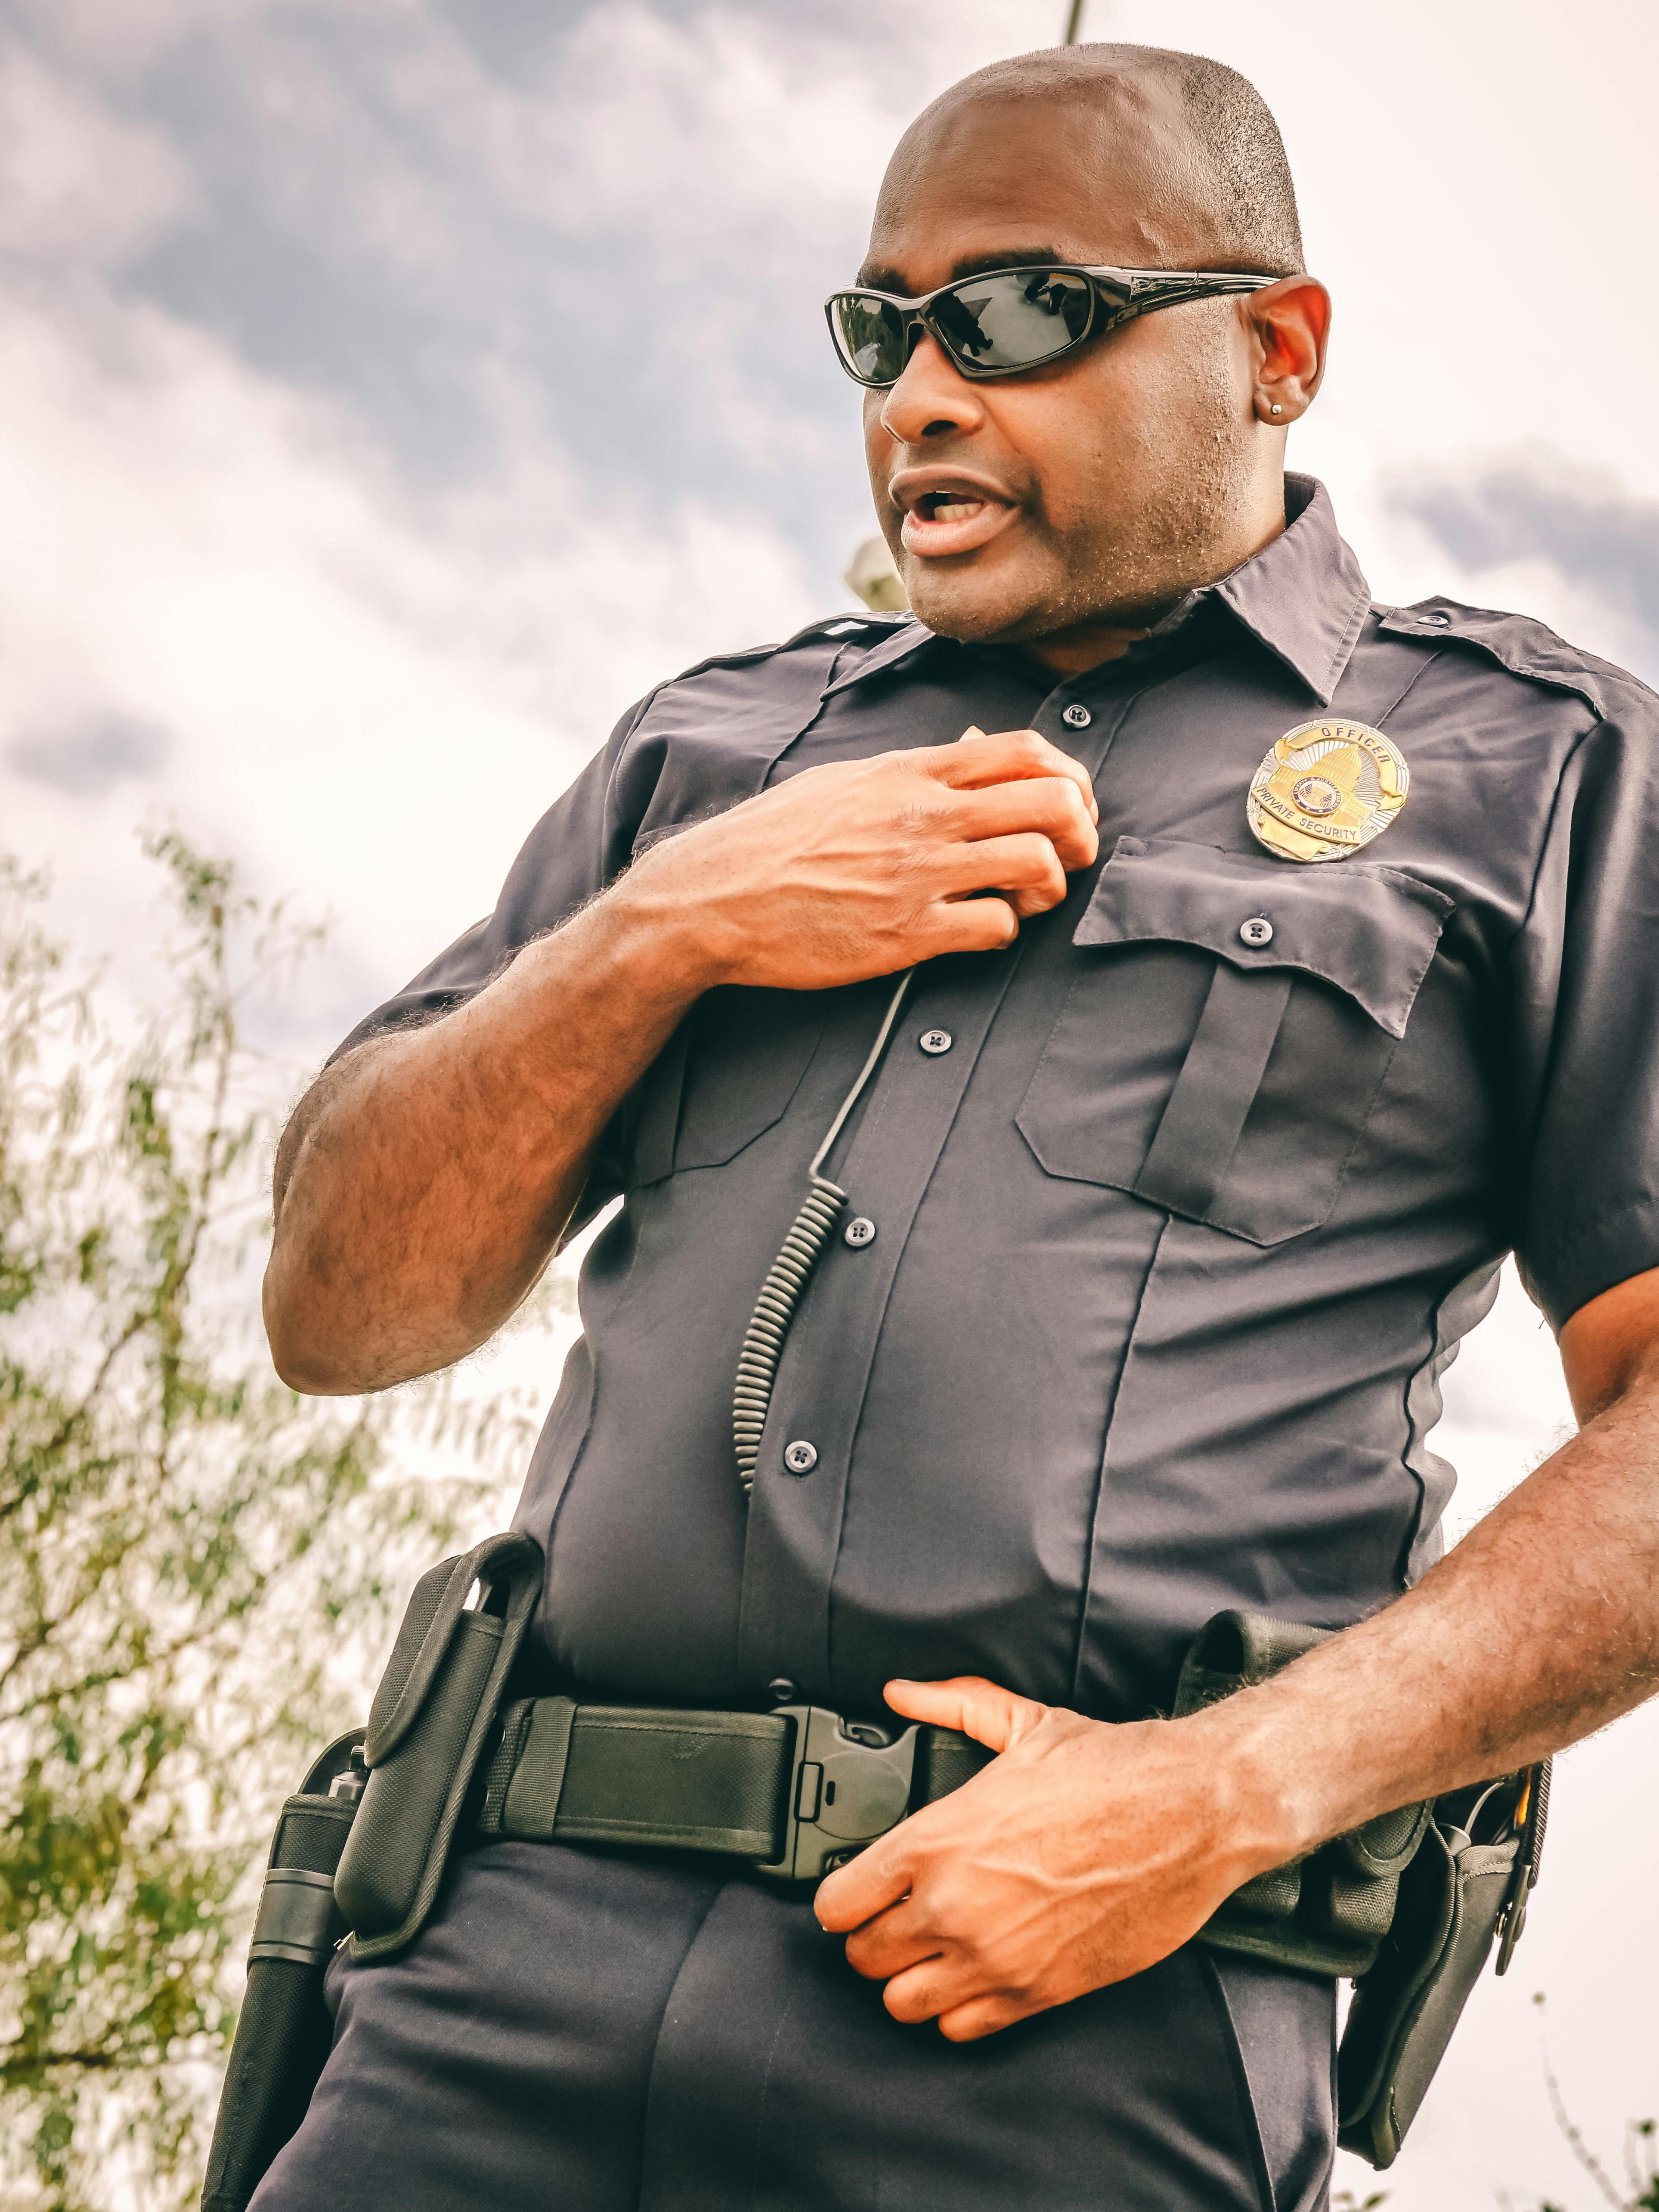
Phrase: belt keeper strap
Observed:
(629, 1774)
(530, 1804)
(503, 1765)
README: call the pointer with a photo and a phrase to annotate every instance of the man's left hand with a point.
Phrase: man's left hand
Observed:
(1084, 1853)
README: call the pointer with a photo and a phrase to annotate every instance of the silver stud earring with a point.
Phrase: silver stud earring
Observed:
(1277, 409)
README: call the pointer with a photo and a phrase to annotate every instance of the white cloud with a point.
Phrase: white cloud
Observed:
(77, 182)
(371, 696)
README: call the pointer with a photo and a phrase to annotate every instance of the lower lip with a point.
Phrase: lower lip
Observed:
(934, 540)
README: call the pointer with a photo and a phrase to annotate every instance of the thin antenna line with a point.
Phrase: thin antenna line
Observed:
(1073, 22)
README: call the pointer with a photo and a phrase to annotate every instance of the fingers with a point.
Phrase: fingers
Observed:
(876, 1880)
(1005, 756)
(935, 1986)
(981, 2016)
(892, 1942)
(1049, 805)
(965, 925)
(1026, 869)
(968, 1703)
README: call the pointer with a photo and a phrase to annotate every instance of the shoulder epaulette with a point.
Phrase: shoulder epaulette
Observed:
(1526, 648)
(831, 626)
(872, 624)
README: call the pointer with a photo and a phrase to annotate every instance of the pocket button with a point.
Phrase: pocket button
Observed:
(1256, 932)
(935, 1042)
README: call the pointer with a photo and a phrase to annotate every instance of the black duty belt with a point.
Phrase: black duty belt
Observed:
(793, 1791)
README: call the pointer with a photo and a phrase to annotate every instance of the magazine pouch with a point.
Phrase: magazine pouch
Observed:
(283, 2028)
(1328, 1913)
(428, 1726)
(1408, 1904)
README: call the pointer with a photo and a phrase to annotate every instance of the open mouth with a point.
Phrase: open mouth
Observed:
(950, 518)
(948, 506)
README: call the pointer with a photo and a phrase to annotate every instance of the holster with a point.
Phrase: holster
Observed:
(366, 1856)
(1408, 1904)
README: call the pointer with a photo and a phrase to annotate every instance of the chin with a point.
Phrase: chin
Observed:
(973, 610)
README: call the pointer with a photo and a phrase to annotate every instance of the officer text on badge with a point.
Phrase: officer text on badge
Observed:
(1326, 789)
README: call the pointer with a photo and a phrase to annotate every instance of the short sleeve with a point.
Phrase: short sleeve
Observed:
(580, 844)
(1586, 1014)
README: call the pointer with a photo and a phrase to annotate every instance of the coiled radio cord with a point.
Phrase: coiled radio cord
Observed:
(791, 1271)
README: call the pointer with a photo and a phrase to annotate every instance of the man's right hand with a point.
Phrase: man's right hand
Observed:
(861, 868)
(424, 1181)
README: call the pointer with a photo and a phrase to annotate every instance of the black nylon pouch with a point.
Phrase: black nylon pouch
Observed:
(1328, 1913)
(428, 1726)
(1471, 1879)
(283, 2029)
(1409, 1904)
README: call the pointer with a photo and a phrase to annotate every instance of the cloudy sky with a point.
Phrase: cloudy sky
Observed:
(391, 389)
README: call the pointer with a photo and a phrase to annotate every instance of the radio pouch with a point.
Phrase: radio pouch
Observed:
(1408, 1904)
(427, 1725)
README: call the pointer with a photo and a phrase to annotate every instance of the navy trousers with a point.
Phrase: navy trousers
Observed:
(579, 2031)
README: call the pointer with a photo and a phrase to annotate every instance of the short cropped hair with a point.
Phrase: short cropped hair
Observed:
(1244, 186)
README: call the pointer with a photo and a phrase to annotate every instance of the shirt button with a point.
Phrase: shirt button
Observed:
(1436, 621)
(1077, 717)
(800, 1457)
(936, 1040)
(860, 1233)
(1257, 931)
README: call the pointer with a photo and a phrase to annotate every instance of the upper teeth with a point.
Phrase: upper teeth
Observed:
(946, 509)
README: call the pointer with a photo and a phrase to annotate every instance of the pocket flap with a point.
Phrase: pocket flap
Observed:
(428, 1627)
(1369, 931)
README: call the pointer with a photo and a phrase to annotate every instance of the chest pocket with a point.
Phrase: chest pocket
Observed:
(1222, 1077)
(725, 1078)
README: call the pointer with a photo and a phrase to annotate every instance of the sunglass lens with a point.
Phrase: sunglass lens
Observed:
(1015, 320)
(870, 335)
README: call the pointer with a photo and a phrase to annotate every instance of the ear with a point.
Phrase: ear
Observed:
(1290, 325)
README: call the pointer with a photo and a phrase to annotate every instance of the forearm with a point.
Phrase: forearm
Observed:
(1540, 1627)
(425, 1181)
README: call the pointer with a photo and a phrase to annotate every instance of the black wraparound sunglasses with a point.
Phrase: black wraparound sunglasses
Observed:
(1009, 320)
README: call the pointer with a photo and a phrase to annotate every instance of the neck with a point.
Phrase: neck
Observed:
(1091, 643)
(1088, 645)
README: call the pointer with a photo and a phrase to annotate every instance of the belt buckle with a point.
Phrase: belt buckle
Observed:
(846, 1788)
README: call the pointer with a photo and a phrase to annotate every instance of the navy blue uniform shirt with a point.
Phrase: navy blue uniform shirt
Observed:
(1177, 1239)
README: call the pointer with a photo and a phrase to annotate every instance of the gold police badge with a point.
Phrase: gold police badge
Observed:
(1326, 789)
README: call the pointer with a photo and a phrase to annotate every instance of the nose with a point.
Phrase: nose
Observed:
(930, 399)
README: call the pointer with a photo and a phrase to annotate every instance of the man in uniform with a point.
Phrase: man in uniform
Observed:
(1283, 960)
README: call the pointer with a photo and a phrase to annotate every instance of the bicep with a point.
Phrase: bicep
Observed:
(1609, 1341)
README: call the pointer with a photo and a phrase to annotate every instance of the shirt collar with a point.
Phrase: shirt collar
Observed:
(909, 637)
(1303, 597)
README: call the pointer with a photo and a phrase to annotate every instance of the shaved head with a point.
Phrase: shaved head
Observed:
(1196, 130)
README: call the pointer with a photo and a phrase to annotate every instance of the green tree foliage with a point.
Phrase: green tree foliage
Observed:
(196, 1567)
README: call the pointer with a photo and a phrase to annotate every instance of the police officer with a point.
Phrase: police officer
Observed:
(1284, 960)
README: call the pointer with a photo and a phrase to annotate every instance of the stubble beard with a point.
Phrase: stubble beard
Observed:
(1125, 572)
